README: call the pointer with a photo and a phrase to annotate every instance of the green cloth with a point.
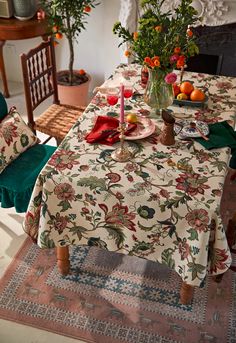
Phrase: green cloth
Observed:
(221, 135)
(18, 179)
(3, 106)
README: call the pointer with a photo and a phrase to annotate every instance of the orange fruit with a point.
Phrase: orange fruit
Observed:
(87, 9)
(58, 35)
(82, 72)
(186, 87)
(197, 95)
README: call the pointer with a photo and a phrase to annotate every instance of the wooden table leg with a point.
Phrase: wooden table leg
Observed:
(63, 260)
(3, 72)
(186, 293)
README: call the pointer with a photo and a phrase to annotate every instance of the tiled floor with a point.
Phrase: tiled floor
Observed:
(11, 238)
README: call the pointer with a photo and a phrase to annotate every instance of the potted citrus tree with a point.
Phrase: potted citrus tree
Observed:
(69, 18)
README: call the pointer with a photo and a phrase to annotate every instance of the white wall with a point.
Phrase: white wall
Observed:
(97, 49)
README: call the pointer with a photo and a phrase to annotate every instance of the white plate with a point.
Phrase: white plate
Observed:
(187, 131)
(145, 127)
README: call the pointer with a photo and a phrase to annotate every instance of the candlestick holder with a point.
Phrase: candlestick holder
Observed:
(122, 154)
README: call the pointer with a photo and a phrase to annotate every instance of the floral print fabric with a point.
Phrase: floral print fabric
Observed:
(15, 138)
(162, 205)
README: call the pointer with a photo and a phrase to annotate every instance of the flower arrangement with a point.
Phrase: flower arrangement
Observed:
(164, 40)
(67, 17)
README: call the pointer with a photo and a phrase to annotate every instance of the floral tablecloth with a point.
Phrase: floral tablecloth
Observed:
(162, 205)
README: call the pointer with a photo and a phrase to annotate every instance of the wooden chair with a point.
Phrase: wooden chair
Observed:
(39, 74)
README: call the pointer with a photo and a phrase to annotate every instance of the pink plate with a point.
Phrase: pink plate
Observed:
(145, 128)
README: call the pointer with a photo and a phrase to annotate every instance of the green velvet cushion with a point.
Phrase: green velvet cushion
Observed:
(3, 106)
(18, 178)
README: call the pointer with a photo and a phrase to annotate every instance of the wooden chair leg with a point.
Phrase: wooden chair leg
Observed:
(63, 260)
(186, 293)
(3, 71)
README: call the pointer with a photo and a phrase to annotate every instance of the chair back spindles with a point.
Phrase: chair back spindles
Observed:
(40, 83)
(40, 75)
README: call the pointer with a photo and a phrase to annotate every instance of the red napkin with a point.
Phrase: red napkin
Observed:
(105, 131)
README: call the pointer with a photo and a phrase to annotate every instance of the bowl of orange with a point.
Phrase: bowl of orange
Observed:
(186, 94)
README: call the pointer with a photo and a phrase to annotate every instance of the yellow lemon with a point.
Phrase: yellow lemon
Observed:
(131, 118)
(182, 96)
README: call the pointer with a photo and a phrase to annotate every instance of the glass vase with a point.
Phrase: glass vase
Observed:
(158, 94)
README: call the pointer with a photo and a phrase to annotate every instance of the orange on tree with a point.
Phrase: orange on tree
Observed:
(197, 95)
(58, 35)
(87, 9)
(186, 87)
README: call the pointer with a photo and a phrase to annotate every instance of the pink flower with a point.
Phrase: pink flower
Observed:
(174, 58)
(198, 219)
(170, 78)
(64, 191)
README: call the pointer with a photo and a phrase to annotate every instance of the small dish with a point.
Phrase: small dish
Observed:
(184, 129)
(190, 103)
(145, 128)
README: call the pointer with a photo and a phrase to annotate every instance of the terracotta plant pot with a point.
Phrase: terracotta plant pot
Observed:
(74, 95)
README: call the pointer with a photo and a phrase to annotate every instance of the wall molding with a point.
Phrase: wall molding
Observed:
(213, 12)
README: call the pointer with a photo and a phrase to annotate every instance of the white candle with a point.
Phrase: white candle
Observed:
(122, 106)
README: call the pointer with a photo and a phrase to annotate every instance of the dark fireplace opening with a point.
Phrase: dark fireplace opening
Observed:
(204, 63)
(217, 45)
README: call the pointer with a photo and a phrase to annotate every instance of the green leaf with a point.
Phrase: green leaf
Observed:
(45, 241)
(116, 233)
(15, 148)
(65, 204)
(93, 182)
(37, 200)
(196, 269)
(193, 234)
(145, 228)
(166, 257)
(78, 230)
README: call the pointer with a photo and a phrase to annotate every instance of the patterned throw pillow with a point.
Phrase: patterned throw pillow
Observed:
(15, 138)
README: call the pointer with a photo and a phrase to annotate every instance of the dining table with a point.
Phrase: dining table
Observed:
(162, 204)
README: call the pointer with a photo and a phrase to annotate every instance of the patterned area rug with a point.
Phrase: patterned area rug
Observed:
(114, 298)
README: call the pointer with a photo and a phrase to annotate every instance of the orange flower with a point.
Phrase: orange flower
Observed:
(182, 58)
(158, 28)
(58, 35)
(87, 9)
(189, 33)
(156, 61)
(177, 50)
(147, 60)
(82, 72)
(135, 35)
(127, 53)
(180, 63)
(151, 64)
(55, 43)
